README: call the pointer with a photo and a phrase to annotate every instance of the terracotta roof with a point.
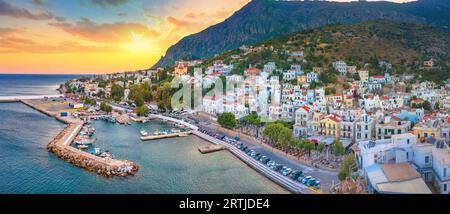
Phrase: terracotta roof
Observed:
(396, 118)
(399, 172)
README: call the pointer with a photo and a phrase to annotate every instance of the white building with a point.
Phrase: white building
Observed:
(340, 66)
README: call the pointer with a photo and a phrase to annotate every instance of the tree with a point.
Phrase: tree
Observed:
(338, 147)
(117, 92)
(346, 167)
(329, 91)
(284, 136)
(164, 95)
(105, 107)
(227, 120)
(321, 147)
(272, 130)
(141, 110)
(308, 147)
(139, 100)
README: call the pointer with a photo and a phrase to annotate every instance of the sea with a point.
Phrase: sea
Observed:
(168, 166)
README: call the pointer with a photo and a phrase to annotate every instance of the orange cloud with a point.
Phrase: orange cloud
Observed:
(119, 32)
(7, 9)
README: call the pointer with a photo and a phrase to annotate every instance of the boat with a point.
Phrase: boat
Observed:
(83, 146)
(144, 133)
(157, 132)
(175, 131)
(106, 154)
(97, 151)
(184, 134)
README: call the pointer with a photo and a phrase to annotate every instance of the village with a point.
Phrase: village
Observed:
(386, 133)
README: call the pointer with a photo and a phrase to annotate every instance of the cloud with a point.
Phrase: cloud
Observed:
(7, 31)
(119, 32)
(14, 44)
(39, 2)
(10, 10)
(122, 14)
(108, 3)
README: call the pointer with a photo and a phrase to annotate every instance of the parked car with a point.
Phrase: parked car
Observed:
(306, 179)
(316, 185)
(287, 171)
(270, 163)
(296, 174)
(311, 182)
(265, 161)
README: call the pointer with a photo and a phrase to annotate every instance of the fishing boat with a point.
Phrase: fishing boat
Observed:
(184, 134)
(106, 154)
(144, 133)
(175, 131)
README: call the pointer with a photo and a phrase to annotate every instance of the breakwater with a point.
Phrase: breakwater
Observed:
(61, 147)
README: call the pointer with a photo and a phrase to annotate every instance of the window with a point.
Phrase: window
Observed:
(445, 172)
(367, 127)
(407, 155)
(445, 187)
(407, 141)
(427, 159)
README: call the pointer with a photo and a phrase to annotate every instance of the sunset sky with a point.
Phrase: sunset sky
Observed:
(99, 36)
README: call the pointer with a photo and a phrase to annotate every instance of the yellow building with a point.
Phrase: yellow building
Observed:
(425, 130)
(330, 126)
(301, 79)
(180, 70)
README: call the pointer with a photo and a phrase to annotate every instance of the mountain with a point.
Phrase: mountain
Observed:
(262, 19)
(404, 45)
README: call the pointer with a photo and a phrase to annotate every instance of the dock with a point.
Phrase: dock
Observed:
(171, 135)
(210, 149)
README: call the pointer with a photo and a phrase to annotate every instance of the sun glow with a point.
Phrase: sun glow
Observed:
(139, 44)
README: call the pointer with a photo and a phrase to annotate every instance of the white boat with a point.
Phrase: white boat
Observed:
(83, 146)
(144, 133)
(97, 151)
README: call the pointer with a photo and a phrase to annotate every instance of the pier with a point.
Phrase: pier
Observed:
(210, 149)
(12, 99)
(162, 136)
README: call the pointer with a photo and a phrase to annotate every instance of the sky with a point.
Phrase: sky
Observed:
(99, 36)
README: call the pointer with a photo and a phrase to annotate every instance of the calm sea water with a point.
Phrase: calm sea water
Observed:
(30, 84)
(167, 166)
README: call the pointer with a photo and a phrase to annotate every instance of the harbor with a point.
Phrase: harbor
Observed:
(62, 144)
(37, 171)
